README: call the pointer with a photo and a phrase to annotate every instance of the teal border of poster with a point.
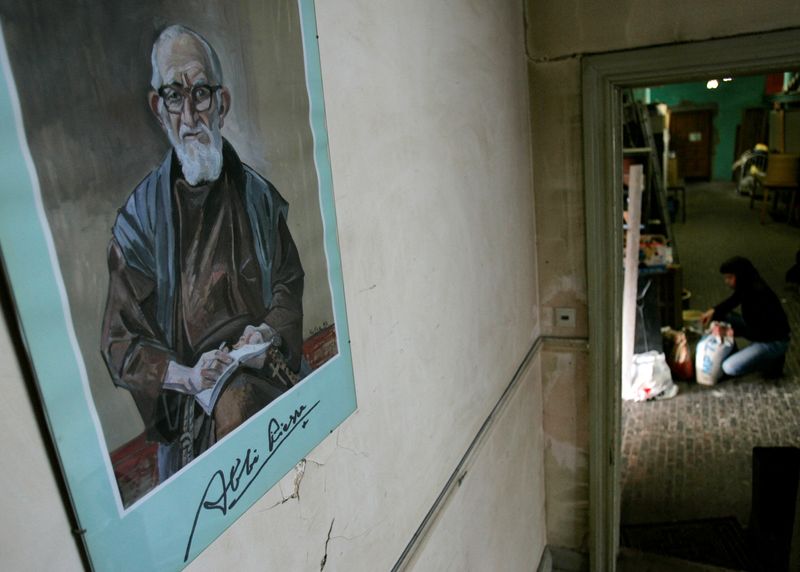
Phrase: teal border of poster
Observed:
(176, 521)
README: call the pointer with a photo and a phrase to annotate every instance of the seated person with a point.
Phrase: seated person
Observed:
(762, 321)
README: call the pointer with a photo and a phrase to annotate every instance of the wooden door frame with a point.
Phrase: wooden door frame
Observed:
(604, 77)
(710, 112)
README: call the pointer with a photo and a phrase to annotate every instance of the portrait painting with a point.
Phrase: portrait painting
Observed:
(170, 242)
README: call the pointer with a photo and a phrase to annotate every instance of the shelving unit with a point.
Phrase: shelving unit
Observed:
(658, 294)
(639, 143)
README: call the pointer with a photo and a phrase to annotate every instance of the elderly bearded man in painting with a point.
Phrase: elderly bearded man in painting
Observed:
(200, 262)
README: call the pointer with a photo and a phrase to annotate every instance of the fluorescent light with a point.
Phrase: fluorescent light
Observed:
(712, 84)
(727, 79)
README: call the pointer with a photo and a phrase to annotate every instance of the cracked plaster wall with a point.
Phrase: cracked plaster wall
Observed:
(428, 117)
(558, 35)
(427, 110)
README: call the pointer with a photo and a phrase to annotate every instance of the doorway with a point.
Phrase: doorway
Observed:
(691, 135)
(688, 482)
(604, 78)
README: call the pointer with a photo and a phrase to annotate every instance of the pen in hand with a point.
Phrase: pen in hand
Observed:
(225, 359)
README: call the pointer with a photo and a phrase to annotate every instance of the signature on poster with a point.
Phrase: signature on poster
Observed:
(224, 490)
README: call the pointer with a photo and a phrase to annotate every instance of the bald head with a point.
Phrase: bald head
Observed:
(178, 47)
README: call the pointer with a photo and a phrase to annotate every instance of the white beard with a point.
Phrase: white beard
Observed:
(200, 162)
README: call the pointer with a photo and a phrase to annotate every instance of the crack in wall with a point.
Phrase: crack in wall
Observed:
(366, 532)
(353, 451)
(553, 59)
(325, 555)
(544, 59)
(300, 471)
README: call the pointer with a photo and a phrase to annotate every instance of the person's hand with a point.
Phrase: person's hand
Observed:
(203, 375)
(706, 317)
(257, 335)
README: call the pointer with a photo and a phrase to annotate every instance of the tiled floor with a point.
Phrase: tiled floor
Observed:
(690, 457)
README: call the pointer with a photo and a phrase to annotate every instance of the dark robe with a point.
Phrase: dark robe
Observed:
(189, 269)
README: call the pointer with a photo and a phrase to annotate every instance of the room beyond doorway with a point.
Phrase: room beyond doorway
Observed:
(690, 457)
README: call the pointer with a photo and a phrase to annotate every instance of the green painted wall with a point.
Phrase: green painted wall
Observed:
(642, 94)
(731, 98)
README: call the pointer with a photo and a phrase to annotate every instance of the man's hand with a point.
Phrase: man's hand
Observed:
(202, 376)
(257, 335)
(707, 315)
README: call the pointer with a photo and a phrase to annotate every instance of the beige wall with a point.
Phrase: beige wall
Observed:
(37, 529)
(557, 29)
(428, 117)
(561, 256)
(566, 428)
(559, 34)
(488, 489)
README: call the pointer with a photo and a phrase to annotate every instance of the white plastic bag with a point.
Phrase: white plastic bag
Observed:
(712, 349)
(651, 378)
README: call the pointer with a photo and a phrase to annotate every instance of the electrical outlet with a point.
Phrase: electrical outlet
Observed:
(565, 317)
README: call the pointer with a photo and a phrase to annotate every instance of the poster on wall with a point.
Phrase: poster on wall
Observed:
(168, 232)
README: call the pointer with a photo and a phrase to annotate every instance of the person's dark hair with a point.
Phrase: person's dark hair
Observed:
(740, 267)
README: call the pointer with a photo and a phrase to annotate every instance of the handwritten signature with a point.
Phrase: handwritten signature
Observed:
(226, 489)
